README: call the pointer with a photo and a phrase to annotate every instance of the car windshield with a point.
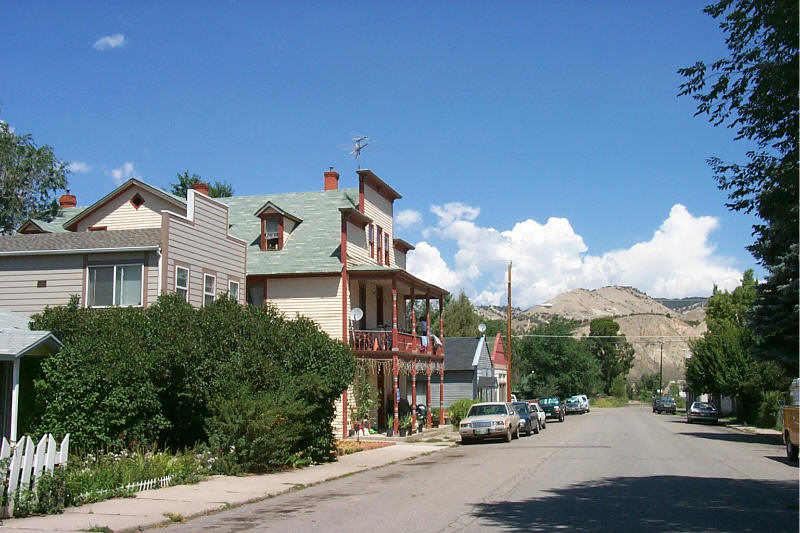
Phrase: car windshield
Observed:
(573, 400)
(521, 407)
(668, 400)
(703, 405)
(483, 410)
(548, 401)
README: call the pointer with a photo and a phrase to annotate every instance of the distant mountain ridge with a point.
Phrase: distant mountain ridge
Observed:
(647, 322)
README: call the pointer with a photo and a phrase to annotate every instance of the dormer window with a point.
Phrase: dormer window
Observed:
(272, 239)
(137, 201)
(276, 224)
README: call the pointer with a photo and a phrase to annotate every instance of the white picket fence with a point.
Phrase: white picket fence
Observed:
(27, 462)
(139, 486)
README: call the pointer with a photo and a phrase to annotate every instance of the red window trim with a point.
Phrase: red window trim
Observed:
(386, 249)
(380, 245)
(264, 232)
(371, 239)
(133, 203)
(98, 228)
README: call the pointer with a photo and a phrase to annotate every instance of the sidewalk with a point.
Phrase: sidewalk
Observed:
(153, 507)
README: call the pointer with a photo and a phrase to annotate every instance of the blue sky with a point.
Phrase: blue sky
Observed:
(549, 134)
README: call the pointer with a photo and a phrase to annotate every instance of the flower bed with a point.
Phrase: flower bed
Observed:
(346, 447)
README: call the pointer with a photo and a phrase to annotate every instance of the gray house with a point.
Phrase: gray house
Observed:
(468, 371)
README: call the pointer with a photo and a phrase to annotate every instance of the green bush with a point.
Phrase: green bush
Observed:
(459, 410)
(768, 409)
(619, 387)
(164, 376)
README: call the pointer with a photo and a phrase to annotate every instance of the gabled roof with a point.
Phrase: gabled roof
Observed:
(80, 242)
(378, 184)
(57, 224)
(499, 352)
(170, 198)
(403, 246)
(312, 248)
(16, 340)
(270, 206)
(463, 353)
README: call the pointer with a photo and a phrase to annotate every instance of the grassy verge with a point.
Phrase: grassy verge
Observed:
(609, 401)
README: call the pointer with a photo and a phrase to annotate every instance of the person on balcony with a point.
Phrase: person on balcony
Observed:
(423, 327)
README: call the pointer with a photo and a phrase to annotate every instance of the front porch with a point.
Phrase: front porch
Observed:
(389, 318)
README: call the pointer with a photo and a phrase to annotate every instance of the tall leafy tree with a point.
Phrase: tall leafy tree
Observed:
(30, 178)
(722, 362)
(218, 189)
(460, 318)
(755, 92)
(548, 361)
(612, 350)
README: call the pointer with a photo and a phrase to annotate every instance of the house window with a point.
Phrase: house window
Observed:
(272, 233)
(114, 285)
(372, 241)
(380, 251)
(137, 201)
(182, 282)
(386, 248)
(233, 289)
(209, 288)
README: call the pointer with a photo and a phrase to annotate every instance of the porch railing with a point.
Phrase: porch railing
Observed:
(380, 340)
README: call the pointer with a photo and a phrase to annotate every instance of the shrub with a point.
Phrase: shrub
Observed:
(618, 387)
(459, 410)
(768, 409)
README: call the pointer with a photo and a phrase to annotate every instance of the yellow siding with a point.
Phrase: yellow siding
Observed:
(357, 252)
(379, 209)
(317, 298)
(119, 213)
(205, 248)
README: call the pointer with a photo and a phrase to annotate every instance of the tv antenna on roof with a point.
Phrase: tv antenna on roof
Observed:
(359, 143)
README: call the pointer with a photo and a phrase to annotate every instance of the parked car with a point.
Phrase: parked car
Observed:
(702, 412)
(665, 405)
(585, 402)
(656, 404)
(536, 408)
(487, 420)
(791, 410)
(528, 421)
(553, 407)
(573, 405)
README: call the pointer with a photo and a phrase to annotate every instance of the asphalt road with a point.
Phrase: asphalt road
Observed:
(611, 470)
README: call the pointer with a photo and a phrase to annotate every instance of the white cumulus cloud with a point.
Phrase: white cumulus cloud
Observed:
(109, 41)
(125, 172)
(407, 218)
(79, 167)
(551, 258)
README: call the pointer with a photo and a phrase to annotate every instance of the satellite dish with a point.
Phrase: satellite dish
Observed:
(481, 327)
(356, 314)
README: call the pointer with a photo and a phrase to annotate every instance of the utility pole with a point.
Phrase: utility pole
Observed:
(508, 388)
(661, 371)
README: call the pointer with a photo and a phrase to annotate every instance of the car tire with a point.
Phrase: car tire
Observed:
(688, 420)
(791, 449)
(508, 435)
(561, 418)
(536, 429)
(466, 441)
(516, 433)
(544, 424)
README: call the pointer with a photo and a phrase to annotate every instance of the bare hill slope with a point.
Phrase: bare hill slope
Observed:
(646, 322)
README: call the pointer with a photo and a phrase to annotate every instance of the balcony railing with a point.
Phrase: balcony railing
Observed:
(380, 340)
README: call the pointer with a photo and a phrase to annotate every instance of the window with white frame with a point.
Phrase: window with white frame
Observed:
(271, 233)
(110, 285)
(233, 289)
(182, 282)
(209, 288)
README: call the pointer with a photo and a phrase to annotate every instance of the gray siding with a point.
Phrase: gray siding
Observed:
(457, 384)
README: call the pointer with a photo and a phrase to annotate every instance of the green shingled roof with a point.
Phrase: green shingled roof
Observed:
(57, 224)
(313, 246)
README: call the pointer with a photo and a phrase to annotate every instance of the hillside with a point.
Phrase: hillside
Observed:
(644, 320)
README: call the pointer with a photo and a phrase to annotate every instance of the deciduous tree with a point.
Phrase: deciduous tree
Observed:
(218, 189)
(755, 91)
(611, 349)
(30, 177)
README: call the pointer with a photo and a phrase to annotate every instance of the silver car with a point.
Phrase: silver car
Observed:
(536, 409)
(489, 420)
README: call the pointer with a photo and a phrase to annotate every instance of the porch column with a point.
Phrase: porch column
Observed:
(14, 399)
(344, 414)
(413, 394)
(395, 393)
(413, 320)
(428, 321)
(441, 322)
(428, 402)
(394, 313)
(441, 394)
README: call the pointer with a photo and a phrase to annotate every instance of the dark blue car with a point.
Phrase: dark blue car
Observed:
(528, 422)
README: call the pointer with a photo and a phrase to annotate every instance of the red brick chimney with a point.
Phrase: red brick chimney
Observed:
(68, 200)
(201, 187)
(331, 180)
